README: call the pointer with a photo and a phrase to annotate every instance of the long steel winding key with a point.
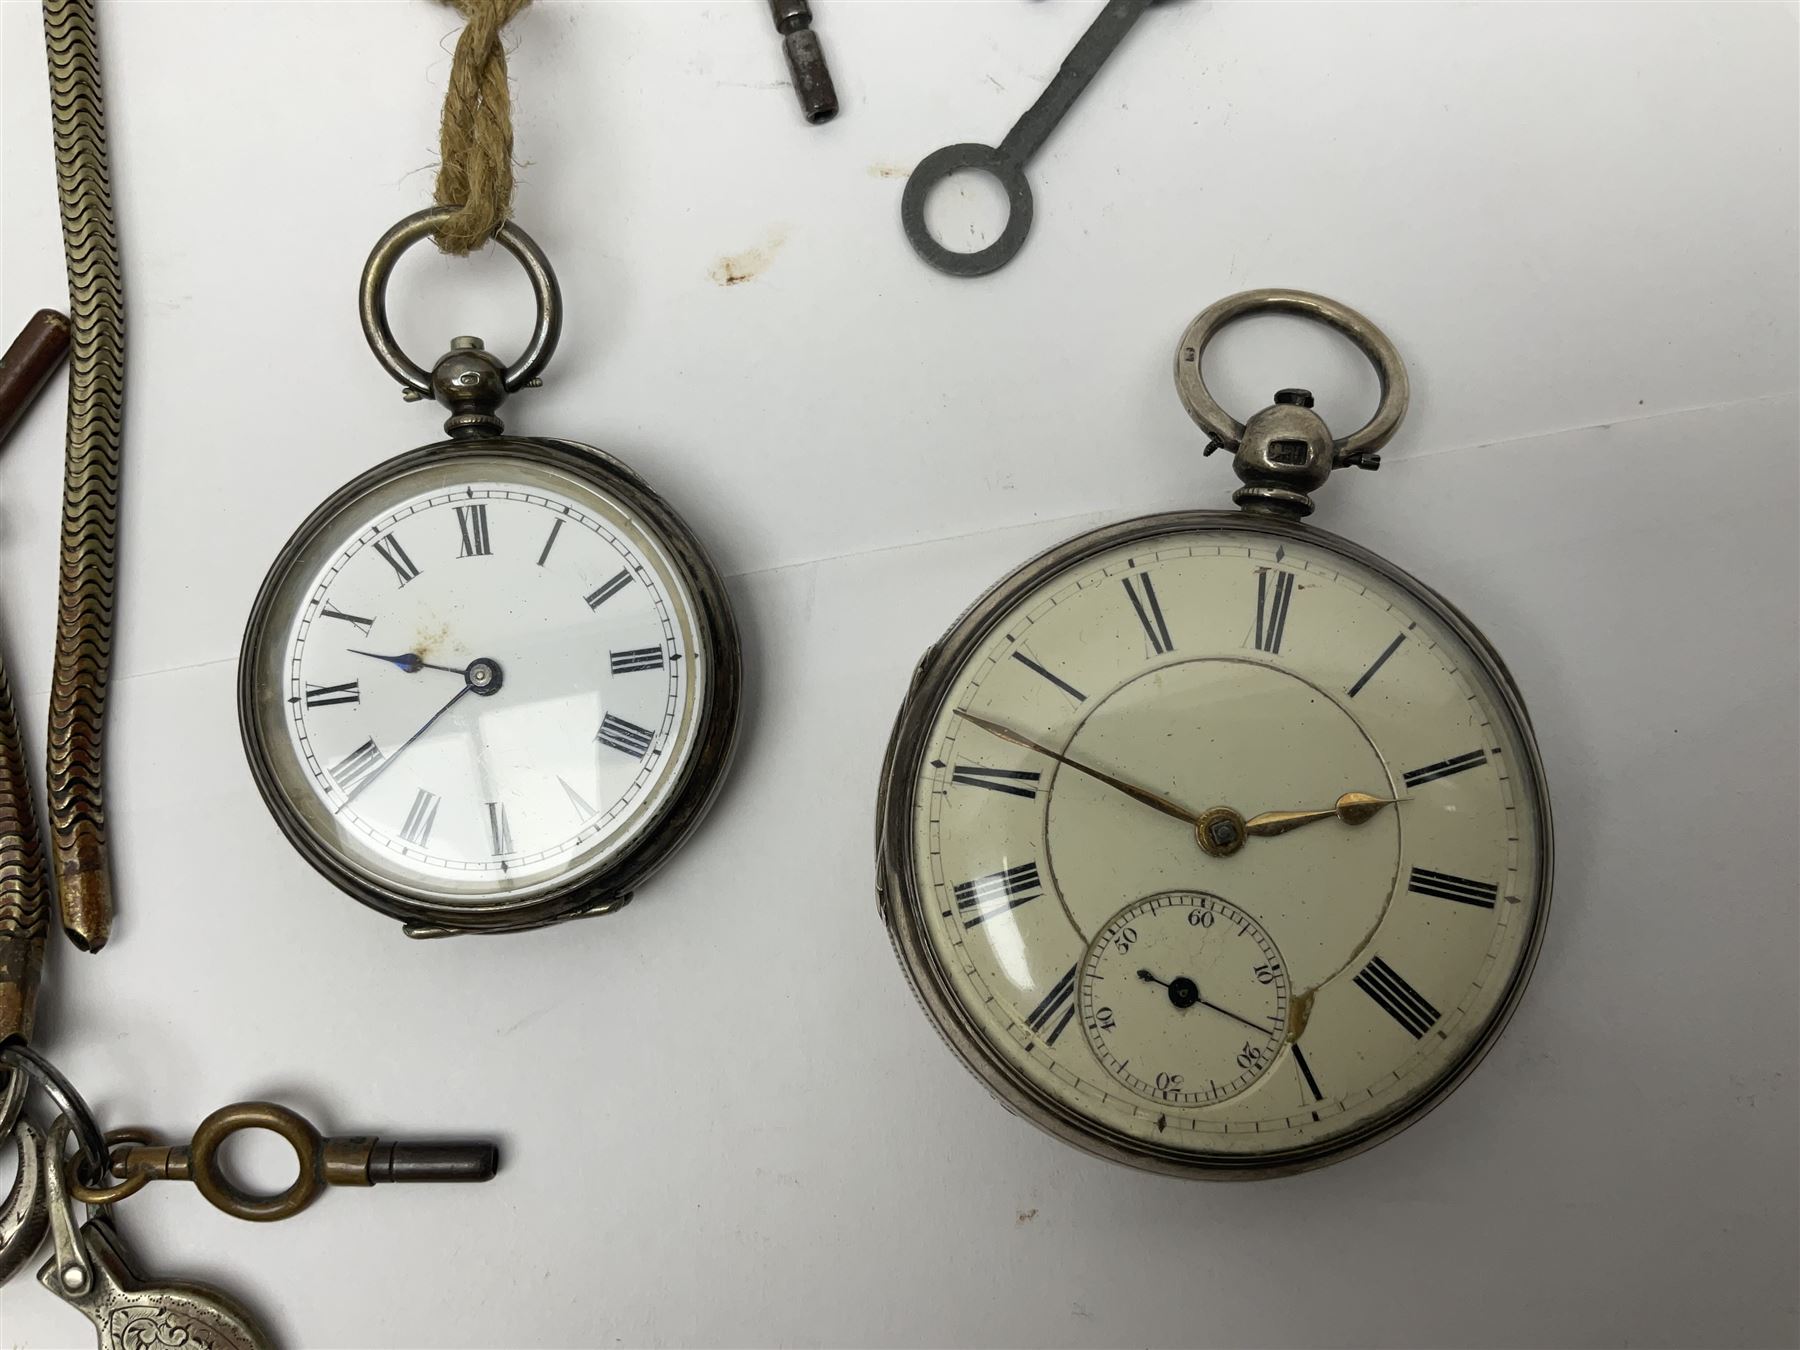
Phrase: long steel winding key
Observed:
(93, 1273)
(1007, 161)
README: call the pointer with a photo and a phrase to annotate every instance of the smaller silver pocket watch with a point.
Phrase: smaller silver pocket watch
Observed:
(1213, 843)
(492, 683)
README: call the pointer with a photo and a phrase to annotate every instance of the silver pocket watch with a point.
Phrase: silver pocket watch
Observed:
(1213, 843)
(493, 682)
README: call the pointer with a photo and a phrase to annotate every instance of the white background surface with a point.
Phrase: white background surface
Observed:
(725, 1121)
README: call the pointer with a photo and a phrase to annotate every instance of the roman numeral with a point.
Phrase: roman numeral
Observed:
(389, 548)
(1010, 781)
(1398, 999)
(472, 521)
(1272, 608)
(983, 898)
(1447, 887)
(1380, 661)
(557, 525)
(1060, 683)
(595, 599)
(499, 832)
(419, 820)
(576, 800)
(356, 621)
(638, 658)
(1312, 1084)
(324, 695)
(628, 737)
(1058, 1007)
(1150, 614)
(1444, 768)
(350, 772)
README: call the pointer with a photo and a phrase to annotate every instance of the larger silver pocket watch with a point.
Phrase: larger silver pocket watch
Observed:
(493, 682)
(1213, 843)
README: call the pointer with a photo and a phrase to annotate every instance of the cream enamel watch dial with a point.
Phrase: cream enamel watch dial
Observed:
(483, 681)
(1215, 844)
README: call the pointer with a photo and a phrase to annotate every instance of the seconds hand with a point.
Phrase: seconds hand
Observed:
(1148, 978)
(350, 796)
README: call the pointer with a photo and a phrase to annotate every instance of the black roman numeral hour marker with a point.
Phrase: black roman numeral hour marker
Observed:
(1445, 886)
(638, 658)
(625, 736)
(1058, 1007)
(597, 598)
(356, 621)
(1013, 782)
(472, 521)
(555, 526)
(499, 832)
(350, 772)
(1150, 614)
(1380, 661)
(1444, 768)
(576, 800)
(1060, 683)
(1272, 602)
(324, 695)
(419, 820)
(389, 548)
(1312, 1084)
(983, 898)
(1398, 999)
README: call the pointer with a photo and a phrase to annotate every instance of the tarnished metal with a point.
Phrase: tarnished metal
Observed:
(805, 60)
(24, 887)
(93, 1272)
(354, 1161)
(414, 379)
(26, 1212)
(31, 360)
(90, 511)
(1285, 452)
(1006, 162)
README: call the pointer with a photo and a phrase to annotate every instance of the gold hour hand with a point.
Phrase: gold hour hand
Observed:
(1353, 808)
(1151, 799)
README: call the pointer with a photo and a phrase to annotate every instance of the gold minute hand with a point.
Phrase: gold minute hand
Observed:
(1132, 790)
(1353, 808)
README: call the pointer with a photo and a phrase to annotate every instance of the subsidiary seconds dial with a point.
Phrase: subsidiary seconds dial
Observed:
(1184, 998)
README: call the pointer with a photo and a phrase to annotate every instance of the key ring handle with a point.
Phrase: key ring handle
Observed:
(28, 1063)
(1225, 429)
(372, 300)
(210, 1179)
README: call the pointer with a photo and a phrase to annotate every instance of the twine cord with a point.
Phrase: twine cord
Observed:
(475, 139)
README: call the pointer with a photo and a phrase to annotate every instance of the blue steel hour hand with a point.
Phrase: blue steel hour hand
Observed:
(409, 662)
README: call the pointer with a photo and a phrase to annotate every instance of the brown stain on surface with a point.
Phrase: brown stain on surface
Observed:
(1027, 1215)
(734, 269)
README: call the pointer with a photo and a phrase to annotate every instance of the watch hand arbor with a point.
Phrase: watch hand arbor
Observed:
(408, 661)
(1151, 799)
(1353, 808)
(1185, 993)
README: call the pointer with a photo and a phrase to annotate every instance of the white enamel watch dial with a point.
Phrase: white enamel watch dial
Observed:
(479, 680)
(1215, 844)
